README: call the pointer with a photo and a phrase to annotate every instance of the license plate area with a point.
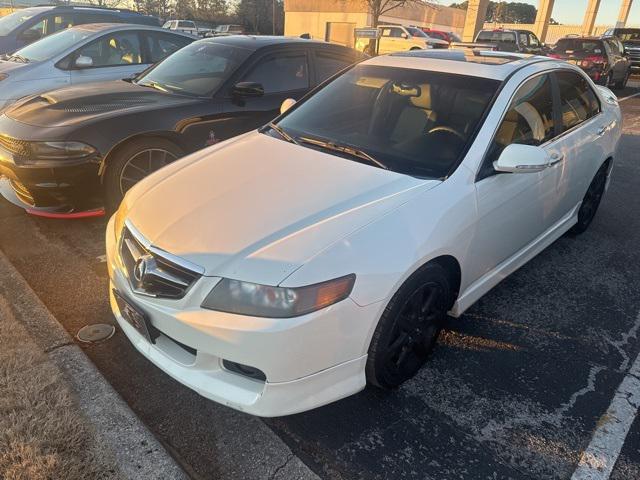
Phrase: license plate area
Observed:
(135, 317)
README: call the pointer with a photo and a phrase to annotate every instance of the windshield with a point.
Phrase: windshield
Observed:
(10, 22)
(53, 45)
(198, 69)
(577, 45)
(412, 121)
(628, 35)
(416, 32)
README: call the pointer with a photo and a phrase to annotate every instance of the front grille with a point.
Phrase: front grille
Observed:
(152, 272)
(14, 146)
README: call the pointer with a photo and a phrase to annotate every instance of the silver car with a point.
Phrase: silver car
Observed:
(82, 54)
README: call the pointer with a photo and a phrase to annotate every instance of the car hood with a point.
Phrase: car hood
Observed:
(256, 208)
(73, 105)
(7, 66)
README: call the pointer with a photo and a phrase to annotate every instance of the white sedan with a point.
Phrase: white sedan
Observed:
(289, 267)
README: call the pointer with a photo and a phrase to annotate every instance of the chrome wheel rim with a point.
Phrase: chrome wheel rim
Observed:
(141, 165)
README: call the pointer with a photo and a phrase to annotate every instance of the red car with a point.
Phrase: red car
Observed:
(441, 35)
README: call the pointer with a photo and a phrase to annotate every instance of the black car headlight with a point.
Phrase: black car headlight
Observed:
(252, 299)
(60, 150)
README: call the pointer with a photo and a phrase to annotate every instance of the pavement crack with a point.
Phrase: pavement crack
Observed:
(280, 467)
(56, 347)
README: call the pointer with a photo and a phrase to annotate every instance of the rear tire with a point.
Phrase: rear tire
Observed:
(619, 85)
(591, 202)
(131, 163)
(409, 327)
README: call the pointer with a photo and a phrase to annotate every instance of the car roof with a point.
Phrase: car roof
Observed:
(476, 63)
(254, 42)
(106, 27)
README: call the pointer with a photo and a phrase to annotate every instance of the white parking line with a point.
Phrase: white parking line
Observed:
(598, 460)
(628, 97)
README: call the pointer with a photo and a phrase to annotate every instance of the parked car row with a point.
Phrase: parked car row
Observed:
(342, 207)
(77, 149)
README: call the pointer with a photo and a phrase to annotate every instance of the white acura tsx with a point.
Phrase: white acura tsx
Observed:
(289, 267)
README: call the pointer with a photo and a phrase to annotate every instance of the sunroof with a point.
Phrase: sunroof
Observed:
(484, 57)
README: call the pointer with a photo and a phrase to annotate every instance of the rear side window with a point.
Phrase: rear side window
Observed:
(576, 45)
(528, 121)
(281, 73)
(161, 45)
(496, 36)
(184, 24)
(329, 64)
(578, 101)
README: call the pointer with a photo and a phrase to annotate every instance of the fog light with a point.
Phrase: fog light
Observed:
(244, 370)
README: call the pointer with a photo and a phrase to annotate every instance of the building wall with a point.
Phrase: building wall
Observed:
(312, 17)
(555, 32)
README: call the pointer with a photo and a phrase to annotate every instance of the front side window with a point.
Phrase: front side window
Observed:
(577, 100)
(533, 40)
(415, 122)
(60, 22)
(523, 38)
(120, 48)
(198, 69)
(528, 121)
(281, 73)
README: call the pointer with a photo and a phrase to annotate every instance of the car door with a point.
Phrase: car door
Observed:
(515, 209)
(114, 56)
(283, 73)
(615, 59)
(581, 142)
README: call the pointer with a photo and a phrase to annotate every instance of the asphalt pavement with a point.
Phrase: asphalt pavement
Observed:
(514, 389)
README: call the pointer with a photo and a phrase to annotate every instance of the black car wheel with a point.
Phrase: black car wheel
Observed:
(133, 162)
(591, 201)
(409, 328)
(622, 83)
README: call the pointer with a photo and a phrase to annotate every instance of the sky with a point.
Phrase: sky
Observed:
(572, 11)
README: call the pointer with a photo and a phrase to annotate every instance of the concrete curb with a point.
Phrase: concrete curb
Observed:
(137, 452)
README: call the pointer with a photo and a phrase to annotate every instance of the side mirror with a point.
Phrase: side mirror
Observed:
(248, 89)
(83, 62)
(31, 36)
(286, 105)
(405, 36)
(517, 158)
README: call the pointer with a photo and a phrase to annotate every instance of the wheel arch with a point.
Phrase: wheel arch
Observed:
(171, 136)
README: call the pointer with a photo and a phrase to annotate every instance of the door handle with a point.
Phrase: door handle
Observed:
(555, 157)
(603, 129)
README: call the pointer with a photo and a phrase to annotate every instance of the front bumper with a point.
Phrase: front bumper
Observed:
(308, 361)
(64, 189)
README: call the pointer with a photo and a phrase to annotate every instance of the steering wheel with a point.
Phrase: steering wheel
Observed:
(444, 128)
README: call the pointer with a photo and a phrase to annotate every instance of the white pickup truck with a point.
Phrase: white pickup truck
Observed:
(186, 26)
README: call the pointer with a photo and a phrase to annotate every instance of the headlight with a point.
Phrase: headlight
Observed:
(244, 298)
(60, 150)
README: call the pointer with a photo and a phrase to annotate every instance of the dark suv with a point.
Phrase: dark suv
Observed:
(630, 38)
(27, 25)
(521, 41)
(603, 59)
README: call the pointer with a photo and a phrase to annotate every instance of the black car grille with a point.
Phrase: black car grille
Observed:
(14, 146)
(152, 273)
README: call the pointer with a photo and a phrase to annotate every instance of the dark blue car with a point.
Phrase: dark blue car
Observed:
(30, 24)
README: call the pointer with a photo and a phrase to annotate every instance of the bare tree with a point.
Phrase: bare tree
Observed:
(381, 7)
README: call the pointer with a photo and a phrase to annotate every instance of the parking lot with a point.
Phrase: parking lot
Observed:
(514, 389)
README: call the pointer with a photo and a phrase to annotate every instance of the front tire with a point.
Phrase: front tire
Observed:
(131, 163)
(591, 202)
(409, 327)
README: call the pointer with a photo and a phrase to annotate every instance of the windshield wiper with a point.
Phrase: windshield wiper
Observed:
(152, 84)
(349, 150)
(18, 58)
(282, 133)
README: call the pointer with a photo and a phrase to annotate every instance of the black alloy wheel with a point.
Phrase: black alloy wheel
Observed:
(131, 163)
(409, 328)
(591, 201)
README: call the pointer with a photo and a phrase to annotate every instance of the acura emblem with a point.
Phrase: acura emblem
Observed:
(141, 266)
